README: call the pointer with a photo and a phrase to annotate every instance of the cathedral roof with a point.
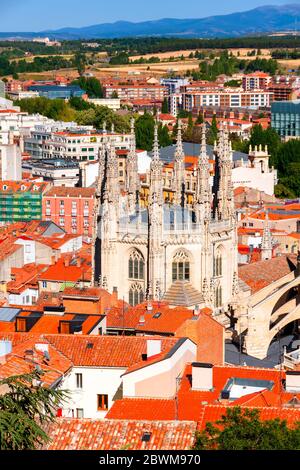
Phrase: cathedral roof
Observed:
(184, 294)
(262, 273)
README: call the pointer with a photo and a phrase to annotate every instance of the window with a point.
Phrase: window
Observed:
(64, 327)
(44, 284)
(218, 267)
(136, 266)
(79, 413)
(78, 380)
(218, 297)
(102, 402)
(21, 324)
(136, 294)
(61, 203)
(181, 267)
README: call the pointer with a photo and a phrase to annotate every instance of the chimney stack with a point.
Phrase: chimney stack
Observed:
(202, 376)
(153, 347)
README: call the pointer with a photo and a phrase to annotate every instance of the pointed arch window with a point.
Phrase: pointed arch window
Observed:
(218, 264)
(218, 297)
(136, 294)
(181, 267)
(136, 266)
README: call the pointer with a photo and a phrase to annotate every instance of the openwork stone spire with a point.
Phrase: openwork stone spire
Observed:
(203, 194)
(132, 177)
(179, 170)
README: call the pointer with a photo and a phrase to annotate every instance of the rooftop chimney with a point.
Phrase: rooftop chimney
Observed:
(153, 347)
(202, 376)
(42, 347)
(292, 381)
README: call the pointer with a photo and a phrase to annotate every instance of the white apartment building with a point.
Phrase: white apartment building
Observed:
(231, 98)
(81, 146)
(10, 163)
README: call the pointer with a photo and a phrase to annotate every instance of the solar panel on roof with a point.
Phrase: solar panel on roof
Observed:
(8, 314)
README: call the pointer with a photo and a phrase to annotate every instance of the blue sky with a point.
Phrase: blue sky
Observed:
(37, 15)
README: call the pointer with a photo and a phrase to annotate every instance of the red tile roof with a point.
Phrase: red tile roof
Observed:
(262, 273)
(63, 191)
(143, 408)
(83, 434)
(107, 351)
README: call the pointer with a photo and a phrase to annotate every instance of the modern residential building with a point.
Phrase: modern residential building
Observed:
(70, 208)
(21, 201)
(229, 97)
(80, 145)
(173, 85)
(135, 91)
(286, 118)
(256, 81)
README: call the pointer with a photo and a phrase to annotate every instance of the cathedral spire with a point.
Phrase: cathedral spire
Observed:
(223, 182)
(156, 187)
(132, 177)
(155, 214)
(202, 201)
(266, 244)
(179, 170)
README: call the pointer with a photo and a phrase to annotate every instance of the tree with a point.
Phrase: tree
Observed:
(144, 131)
(200, 119)
(79, 62)
(120, 59)
(91, 85)
(164, 136)
(25, 409)
(187, 136)
(243, 430)
(269, 137)
(165, 106)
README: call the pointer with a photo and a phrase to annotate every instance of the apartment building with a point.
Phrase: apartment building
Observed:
(256, 81)
(82, 146)
(130, 92)
(57, 172)
(71, 209)
(229, 97)
(21, 201)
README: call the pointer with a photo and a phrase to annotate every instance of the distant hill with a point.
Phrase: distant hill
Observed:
(265, 19)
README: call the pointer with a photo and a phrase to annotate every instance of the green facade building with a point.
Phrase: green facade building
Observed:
(21, 201)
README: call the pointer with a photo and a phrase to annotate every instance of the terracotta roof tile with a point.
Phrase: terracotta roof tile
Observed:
(75, 434)
(262, 273)
(108, 351)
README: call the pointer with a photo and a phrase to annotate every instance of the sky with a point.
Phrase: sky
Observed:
(38, 15)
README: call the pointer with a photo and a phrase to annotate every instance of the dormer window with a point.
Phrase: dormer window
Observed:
(23, 188)
(4, 187)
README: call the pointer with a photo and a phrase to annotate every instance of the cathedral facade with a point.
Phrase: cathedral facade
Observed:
(181, 252)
